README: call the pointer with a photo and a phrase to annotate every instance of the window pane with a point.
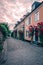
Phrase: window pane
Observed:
(36, 16)
(29, 20)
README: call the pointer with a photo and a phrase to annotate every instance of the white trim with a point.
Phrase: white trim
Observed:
(36, 16)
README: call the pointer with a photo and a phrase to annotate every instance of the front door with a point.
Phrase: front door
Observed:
(21, 35)
(36, 36)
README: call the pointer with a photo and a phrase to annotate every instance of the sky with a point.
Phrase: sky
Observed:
(12, 10)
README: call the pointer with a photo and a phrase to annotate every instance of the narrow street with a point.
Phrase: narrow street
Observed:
(23, 53)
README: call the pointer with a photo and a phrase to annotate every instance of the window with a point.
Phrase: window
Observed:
(36, 16)
(27, 33)
(29, 20)
(22, 28)
(33, 7)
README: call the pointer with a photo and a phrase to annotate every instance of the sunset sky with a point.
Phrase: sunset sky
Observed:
(12, 10)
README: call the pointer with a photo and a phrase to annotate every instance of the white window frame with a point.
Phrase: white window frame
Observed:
(30, 19)
(36, 17)
(27, 22)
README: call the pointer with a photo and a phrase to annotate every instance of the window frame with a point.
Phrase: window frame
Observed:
(36, 16)
(27, 33)
(29, 20)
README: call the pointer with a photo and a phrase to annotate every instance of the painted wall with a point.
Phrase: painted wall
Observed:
(19, 28)
(33, 22)
(26, 23)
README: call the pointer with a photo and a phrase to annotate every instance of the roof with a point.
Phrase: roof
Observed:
(35, 8)
(29, 13)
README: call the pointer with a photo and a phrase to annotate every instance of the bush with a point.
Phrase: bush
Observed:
(40, 30)
(1, 47)
(4, 30)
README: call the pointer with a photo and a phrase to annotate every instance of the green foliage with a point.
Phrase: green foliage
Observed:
(12, 34)
(5, 29)
(1, 47)
(5, 26)
(31, 33)
(41, 39)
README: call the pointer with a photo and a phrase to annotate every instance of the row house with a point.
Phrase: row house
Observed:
(19, 30)
(22, 29)
(33, 18)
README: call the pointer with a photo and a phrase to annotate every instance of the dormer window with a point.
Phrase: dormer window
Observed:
(33, 7)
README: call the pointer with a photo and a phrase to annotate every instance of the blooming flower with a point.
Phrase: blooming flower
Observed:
(31, 29)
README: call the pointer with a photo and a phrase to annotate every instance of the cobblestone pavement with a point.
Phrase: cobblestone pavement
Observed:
(23, 53)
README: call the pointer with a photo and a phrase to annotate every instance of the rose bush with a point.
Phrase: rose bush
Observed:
(40, 26)
(31, 30)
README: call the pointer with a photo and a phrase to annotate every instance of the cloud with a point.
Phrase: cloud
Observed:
(13, 10)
